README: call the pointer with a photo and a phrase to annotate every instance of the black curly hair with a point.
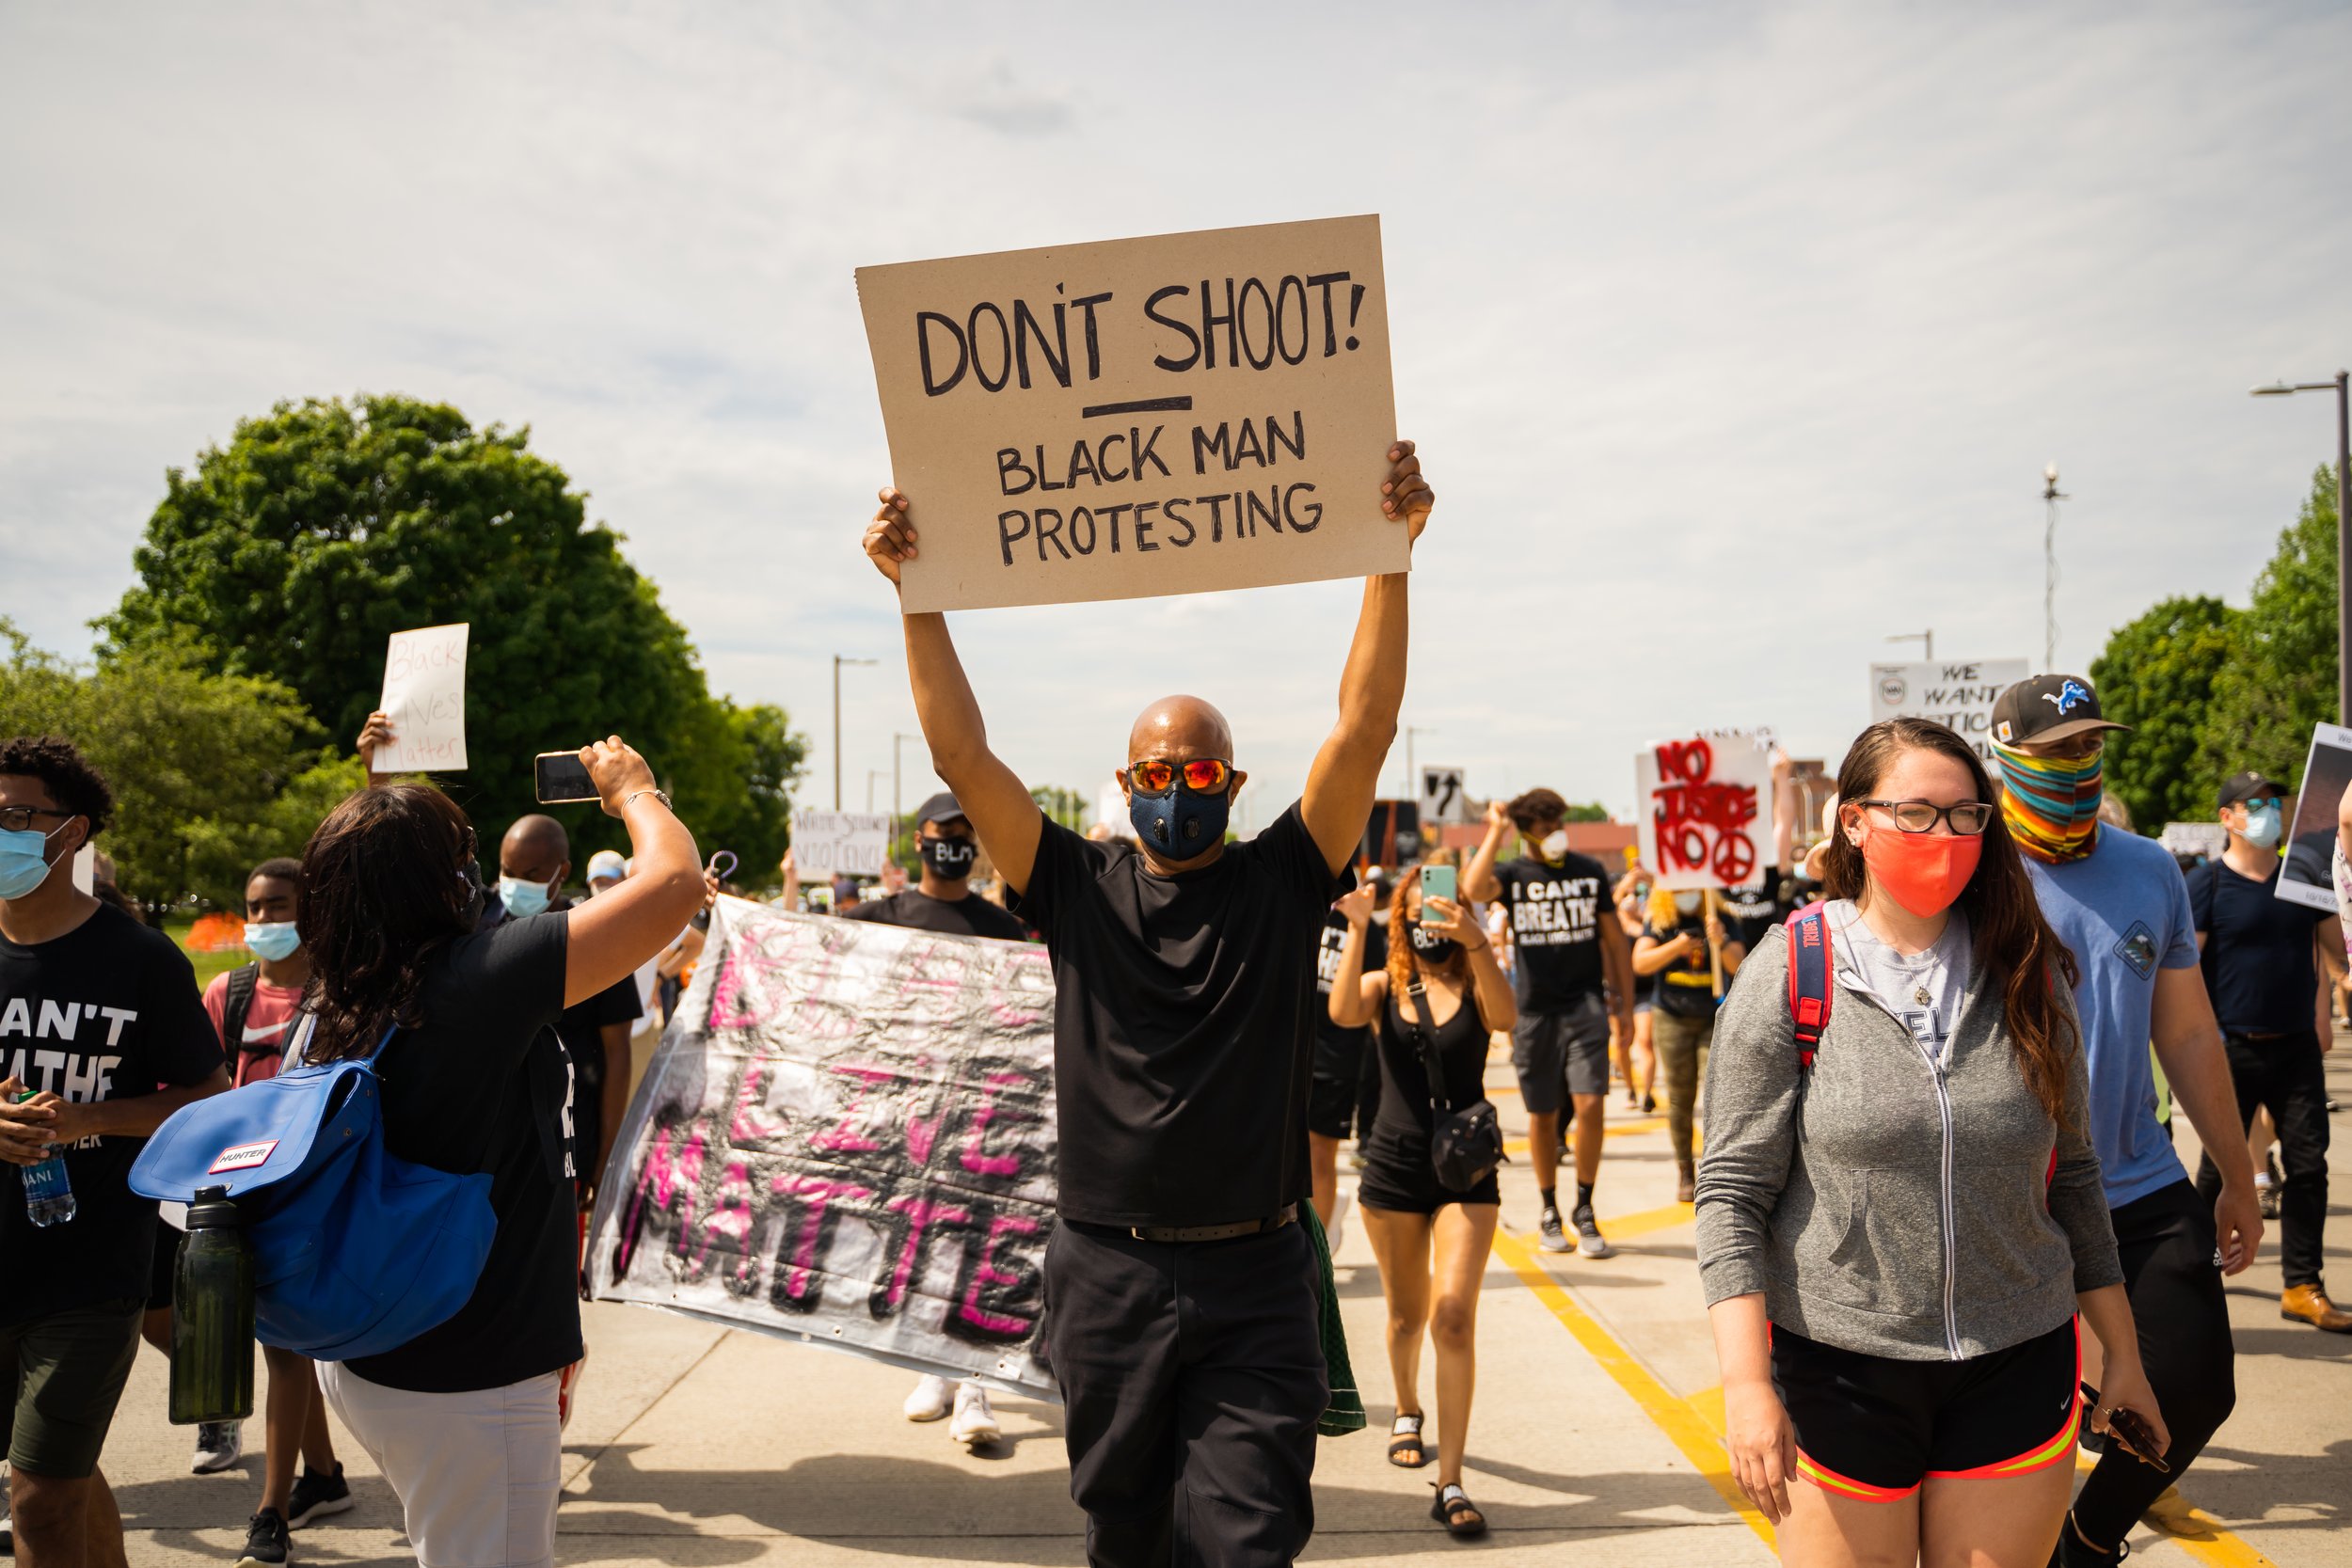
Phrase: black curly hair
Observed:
(63, 773)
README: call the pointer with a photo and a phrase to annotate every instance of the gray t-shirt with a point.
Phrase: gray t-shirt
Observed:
(1923, 990)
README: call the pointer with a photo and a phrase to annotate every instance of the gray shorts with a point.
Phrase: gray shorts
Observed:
(1555, 1050)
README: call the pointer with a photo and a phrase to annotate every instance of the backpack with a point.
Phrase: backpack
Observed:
(355, 1250)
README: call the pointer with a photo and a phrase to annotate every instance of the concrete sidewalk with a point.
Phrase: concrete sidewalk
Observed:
(1593, 1436)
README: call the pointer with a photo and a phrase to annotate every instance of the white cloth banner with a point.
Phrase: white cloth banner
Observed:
(845, 1137)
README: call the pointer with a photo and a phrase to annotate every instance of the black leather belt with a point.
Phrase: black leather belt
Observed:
(1214, 1232)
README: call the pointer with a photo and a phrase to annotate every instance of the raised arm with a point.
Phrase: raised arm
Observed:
(608, 936)
(1347, 772)
(1479, 882)
(1002, 814)
(1355, 996)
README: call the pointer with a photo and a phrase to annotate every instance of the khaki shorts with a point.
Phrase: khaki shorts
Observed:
(67, 1373)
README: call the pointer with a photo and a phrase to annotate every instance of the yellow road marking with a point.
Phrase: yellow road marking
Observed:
(1669, 1413)
(2191, 1529)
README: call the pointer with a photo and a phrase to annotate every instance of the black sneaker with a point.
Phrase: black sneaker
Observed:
(1551, 1237)
(265, 1542)
(315, 1496)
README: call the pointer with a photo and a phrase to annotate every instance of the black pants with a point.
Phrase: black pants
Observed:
(1191, 1377)
(2287, 1073)
(2170, 1272)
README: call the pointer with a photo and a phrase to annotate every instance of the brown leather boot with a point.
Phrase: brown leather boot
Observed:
(1687, 1188)
(2309, 1303)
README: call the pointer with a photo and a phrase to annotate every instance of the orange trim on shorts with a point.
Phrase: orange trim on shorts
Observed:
(2044, 1455)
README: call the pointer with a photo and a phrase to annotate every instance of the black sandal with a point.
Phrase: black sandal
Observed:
(1405, 1438)
(1457, 1513)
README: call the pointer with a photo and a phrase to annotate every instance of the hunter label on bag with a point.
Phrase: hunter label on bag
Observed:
(241, 1157)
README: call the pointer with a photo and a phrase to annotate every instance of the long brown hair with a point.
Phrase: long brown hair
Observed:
(2006, 930)
(382, 890)
(1404, 965)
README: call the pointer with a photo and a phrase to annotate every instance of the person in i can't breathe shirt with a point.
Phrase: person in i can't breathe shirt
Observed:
(100, 1019)
(1182, 1297)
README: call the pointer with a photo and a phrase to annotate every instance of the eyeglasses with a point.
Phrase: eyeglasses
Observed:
(1967, 818)
(17, 820)
(1202, 775)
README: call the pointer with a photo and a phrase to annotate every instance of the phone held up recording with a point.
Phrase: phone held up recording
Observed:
(1436, 881)
(563, 779)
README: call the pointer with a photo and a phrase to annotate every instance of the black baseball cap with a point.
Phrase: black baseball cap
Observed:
(2249, 786)
(2048, 707)
(939, 808)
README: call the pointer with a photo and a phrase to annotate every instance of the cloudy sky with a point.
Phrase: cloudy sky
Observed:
(1736, 337)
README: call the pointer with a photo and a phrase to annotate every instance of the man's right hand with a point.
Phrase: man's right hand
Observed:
(1355, 905)
(24, 1129)
(890, 537)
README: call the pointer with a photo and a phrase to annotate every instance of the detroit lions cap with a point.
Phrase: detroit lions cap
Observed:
(2044, 708)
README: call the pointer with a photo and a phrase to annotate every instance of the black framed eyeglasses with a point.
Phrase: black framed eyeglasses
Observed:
(19, 820)
(1967, 818)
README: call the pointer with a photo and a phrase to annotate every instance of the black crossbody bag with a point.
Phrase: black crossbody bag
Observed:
(1465, 1145)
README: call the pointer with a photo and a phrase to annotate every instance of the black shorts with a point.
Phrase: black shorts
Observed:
(1337, 1105)
(159, 1273)
(1552, 1052)
(1873, 1428)
(1398, 1175)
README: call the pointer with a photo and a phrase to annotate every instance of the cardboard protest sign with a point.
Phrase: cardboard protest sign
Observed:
(840, 842)
(1956, 693)
(2308, 877)
(1705, 809)
(1172, 415)
(845, 1137)
(424, 696)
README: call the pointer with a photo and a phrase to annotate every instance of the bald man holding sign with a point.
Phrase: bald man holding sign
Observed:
(1180, 1293)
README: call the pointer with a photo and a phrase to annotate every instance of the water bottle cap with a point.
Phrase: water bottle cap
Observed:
(212, 1209)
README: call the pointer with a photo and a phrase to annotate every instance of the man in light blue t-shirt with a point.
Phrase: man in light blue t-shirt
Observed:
(2119, 905)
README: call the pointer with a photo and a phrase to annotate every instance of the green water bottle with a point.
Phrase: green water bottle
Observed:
(212, 1314)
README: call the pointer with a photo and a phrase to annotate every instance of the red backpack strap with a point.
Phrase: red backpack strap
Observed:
(1810, 986)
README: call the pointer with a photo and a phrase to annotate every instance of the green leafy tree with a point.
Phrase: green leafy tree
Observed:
(2158, 676)
(1064, 805)
(1592, 811)
(290, 555)
(211, 773)
(2280, 678)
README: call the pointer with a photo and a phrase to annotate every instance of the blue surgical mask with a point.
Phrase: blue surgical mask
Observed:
(1179, 824)
(272, 938)
(2261, 824)
(24, 861)
(523, 899)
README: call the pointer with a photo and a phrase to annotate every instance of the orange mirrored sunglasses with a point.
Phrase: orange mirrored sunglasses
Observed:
(1202, 775)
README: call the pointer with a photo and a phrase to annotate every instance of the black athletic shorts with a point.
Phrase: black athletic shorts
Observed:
(166, 1263)
(1873, 1428)
(1336, 1102)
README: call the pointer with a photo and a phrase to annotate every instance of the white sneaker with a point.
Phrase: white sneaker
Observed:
(1337, 1232)
(931, 1399)
(974, 1422)
(218, 1445)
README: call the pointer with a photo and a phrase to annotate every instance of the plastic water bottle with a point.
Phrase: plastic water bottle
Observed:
(212, 1314)
(48, 1194)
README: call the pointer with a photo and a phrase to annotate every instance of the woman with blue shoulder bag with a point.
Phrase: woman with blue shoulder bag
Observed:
(463, 1420)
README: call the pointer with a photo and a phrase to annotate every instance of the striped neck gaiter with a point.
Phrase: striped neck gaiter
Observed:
(2051, 804)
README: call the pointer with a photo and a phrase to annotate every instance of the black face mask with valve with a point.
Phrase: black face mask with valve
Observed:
(948, 859)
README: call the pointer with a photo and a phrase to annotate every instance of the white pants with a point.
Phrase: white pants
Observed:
(477, 1473)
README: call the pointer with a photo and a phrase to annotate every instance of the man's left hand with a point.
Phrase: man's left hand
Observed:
(1405, 493)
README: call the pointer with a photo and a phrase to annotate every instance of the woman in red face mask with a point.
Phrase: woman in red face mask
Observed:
(1898, 1238)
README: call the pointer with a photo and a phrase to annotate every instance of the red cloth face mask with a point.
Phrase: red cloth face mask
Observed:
(1925, 872)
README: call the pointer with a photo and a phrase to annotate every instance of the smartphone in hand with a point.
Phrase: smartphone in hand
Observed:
(1436, 881)
(563, 779)
(2132, 1428)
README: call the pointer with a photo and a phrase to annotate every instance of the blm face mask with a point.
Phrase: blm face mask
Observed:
(948, 859)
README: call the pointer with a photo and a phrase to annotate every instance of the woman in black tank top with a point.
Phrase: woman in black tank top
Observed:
(1432, 1242)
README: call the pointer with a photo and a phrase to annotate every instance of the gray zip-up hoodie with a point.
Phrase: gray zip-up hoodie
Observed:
(1886, 1202)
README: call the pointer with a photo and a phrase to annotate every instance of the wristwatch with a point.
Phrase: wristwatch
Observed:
(661, 795)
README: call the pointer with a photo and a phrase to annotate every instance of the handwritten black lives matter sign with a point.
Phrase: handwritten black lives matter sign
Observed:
(1172, 414)
(845, 1137)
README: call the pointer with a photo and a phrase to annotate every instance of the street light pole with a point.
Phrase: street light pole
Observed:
(1412, 778)
(1925, 638)
(2051, 496)
(898, 811)
(837, 662)
(2341, 386)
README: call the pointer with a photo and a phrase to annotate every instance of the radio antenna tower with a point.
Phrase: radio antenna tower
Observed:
(2051, 496)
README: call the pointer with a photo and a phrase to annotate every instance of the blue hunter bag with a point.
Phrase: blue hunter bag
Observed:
(355, 1250)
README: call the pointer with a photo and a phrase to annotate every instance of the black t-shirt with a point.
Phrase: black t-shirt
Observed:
(107, 1011)
(1555, 930)
(582, 1029)
(1686, 988)
(484, 1084)
(1334, 941)
(2258, 951)
(1749, 913)
(968, 916)
(1181, 1020)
